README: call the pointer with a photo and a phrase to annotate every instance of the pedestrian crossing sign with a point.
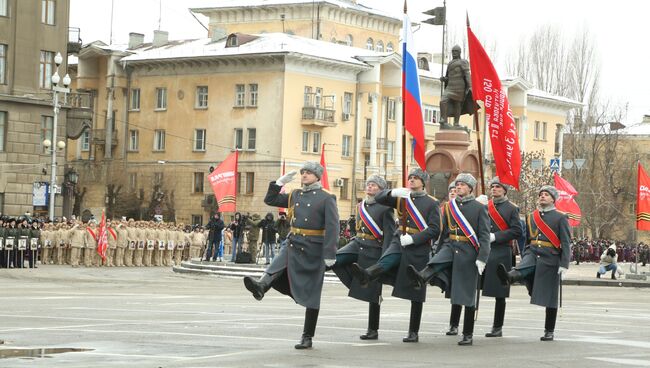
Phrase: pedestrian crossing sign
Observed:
(555, 164)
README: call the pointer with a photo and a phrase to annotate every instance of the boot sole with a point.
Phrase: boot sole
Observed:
(250, 285)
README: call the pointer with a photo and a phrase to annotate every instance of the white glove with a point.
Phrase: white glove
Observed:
(330, 262)
(492, 238)
(400, 192)
(562, 272)
(286, 178)
(405, 240)
(480, 266)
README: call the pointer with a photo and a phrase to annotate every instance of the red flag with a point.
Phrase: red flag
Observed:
(413, 117)
(643, 200)
(223, 181)
(102, 237)
(486, 86)
(323, 179)
(566, 201)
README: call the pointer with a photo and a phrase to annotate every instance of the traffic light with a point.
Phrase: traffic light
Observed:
(438, 16)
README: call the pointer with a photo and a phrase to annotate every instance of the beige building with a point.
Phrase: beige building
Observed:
(31, 34)
(179, 107)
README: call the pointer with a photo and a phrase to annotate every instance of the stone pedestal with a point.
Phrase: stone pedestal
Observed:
(450, 157)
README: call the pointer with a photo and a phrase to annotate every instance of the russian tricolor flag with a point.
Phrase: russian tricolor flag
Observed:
(413, 117)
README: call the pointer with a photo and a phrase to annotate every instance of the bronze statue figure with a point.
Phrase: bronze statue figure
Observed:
(457, 97)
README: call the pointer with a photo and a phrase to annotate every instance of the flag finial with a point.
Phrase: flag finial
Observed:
(467, 17)
(404, 6)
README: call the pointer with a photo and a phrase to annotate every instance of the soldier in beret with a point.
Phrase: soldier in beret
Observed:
(298, 270)
(419, 216)
(464, 250)
(546, 257)
(375, 227)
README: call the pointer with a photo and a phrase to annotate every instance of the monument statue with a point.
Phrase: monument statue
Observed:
(457, 96)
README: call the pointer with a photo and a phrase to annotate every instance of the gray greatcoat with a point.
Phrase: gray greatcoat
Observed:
(416, 254)
(302, 260)
(462, 254)
(500, 250)
(369, 251)
(543, 287)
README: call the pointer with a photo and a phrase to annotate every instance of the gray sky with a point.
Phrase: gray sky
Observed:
(618, 28)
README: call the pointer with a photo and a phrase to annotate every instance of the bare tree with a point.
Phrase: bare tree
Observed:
(534, 175)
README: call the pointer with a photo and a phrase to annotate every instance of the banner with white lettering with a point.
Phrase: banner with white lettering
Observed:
(223, 181)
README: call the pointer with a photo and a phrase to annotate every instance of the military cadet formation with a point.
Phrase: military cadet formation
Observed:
(130, 243)
(407, 239)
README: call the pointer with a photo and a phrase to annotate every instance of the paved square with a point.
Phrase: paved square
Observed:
(151, 317)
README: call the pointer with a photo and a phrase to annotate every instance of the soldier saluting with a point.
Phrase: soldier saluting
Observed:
(464, 249)
(422, 228)
(375, 227)
(299, 268)
(546, 257)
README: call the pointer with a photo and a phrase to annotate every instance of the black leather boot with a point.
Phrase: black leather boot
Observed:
(414, 322)
(421, 278)
(597, 275)
(305, 342)
(373, 322)
(613, 275)
(467, 340)
(507, 278)
(496, 332)
(411, 337)
(370, 335)
(454, 319)
(365, 275)
(453, 331)
(548, 336)
(259, 288)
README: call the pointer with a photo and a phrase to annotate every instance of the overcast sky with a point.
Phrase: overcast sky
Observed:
(619, 28)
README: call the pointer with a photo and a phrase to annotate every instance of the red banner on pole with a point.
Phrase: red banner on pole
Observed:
(486, 86)
(566, 201)
(323, 180)
(102, 237)
(223, 181)
(643, 200)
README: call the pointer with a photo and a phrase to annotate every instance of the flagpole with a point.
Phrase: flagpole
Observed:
(442, 61)
(404, 174)
(478, 138)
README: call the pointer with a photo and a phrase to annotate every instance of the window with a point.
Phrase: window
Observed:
(305, 141)
(252, 133)
(252, 89)
(159, 140)
(199, 139)
(2, 203)
(161, 98)
(315, 148)
(3, 130)
(431, 114)
(239, 138)
(85, 140)
(45, 69)
(345, 146)
(345, 189)
(390, 148)
(135, 99)
(347, 103)
(3, 10)
(202, 97)
(3, 60)
(307, 98)
(133, 181)
(318, 97)
(348, 40)
(250, 183)
(240, 95)
(134, 140)
(238, 182)
(368, 128)
(157, 178)
(47, 11)
(544, 124)
(389, 47)
(370, 44)
(197, 219)
(380, 46)
(198, 182)
(558, 139)
(540, 130)
(46, 129)
(391, 109)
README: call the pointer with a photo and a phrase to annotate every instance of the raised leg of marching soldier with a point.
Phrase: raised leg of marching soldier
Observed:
(545, 259)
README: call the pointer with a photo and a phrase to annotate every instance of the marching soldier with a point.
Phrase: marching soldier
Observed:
(422, 229)
(546, 257)
(298, 270)
(505, 229)
(375, 228)
(464, 250)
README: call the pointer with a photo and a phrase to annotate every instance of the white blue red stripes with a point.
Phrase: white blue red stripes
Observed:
(413, 117)
(416, 216)
(464, 225)
(368, 221)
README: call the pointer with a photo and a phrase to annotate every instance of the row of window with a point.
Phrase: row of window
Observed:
(48, 9)
(198, 182)
(45, 67)
(245, 96)
(379, 47)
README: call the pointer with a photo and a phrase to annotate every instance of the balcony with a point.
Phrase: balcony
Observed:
(80, 113)
(381, 144)
(317, 116)
(74, 40)
(99, 137)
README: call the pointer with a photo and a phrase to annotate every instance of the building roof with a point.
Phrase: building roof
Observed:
(265, 43)
(538, 94)
(642, 128)
(238, 4)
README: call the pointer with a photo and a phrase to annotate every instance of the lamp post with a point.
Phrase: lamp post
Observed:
(58, 59)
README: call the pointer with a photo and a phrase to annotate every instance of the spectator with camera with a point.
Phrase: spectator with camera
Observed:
(608, 262)
(268, 236)
(283, 227)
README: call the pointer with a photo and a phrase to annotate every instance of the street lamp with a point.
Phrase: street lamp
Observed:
(60, 145)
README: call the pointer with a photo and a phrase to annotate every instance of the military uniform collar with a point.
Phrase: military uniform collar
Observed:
(500, 199)
(313, 186)
(419, 193)
(370, 199)
(465, 199)
(547, 208)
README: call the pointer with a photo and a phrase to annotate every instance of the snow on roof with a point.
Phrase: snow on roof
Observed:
(534, 92)
(225, 4)
(73, 59)
(264, 44)
(642, 128)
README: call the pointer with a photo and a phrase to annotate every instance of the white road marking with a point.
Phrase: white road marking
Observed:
(634, 362)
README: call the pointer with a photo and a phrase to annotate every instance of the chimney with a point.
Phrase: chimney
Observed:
(135, 40)
(160, 38)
